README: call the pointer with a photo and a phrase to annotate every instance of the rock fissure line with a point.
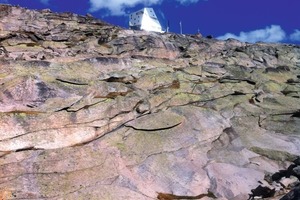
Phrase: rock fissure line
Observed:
(79, 189)
(206, 100)
(30, 132)
(161, 153)
(50, 173)
(71, 82)
(151, 130)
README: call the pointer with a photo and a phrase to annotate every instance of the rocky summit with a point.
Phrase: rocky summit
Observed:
(89, 110)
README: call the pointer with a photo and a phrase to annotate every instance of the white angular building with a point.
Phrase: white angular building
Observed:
(144, 19)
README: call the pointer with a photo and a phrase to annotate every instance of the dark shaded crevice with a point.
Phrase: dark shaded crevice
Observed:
(120, 80)
(296, 96)
(262, 192)
(46, 129)
(292, 114)
(287, 92)
(228, 79)
(284, 173)
(278, 69)
(27, 112)
(84, 107)
(4, 153)
(3, 51)
(150, 130)
(292, 81)
(32, 148)
(251, 82)
(31, 105)
(235, 93)
(98, 137)
(140, 109)
(67, 109)
(70, 82)
(198, 104)
(174, 85)
(162, 103)
(109, 119)
(214, 65)
(141, 193)
(222, 141)
(191, 74)
(112, 95)
(27, 133)
(35, 38)
(296, 114)
(260, 121)
(64, 109)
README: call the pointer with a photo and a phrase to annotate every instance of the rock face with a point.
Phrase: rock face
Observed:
(92, 111)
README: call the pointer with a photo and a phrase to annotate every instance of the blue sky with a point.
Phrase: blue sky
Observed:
(246, 20)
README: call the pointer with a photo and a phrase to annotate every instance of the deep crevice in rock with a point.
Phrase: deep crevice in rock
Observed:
(70, 82)
(28, 149)
(296, 114)
(152, 130)
(261, 192)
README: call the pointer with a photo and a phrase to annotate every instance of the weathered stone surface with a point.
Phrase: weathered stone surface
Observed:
(230, 181)
(91, 111)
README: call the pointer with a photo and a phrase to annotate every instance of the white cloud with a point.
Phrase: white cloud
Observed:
(295, 36)
(117, 7)
(273, 33)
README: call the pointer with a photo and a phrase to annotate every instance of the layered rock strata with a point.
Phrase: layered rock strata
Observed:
(93, 111)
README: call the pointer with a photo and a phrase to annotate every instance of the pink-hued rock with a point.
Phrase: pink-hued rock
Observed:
(92, 111)
(230, 181)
